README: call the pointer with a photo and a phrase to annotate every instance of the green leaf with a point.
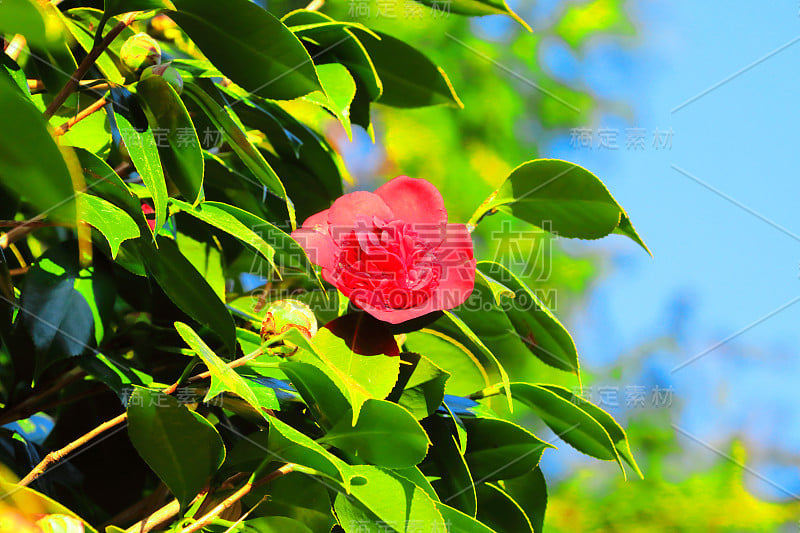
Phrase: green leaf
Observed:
(560, 197)
(184, 285)
(530, 492)
(499, 511)
(224, 119)
(385, 435)
(102, 181)
(223, 377)
(206, 257)
(467, 373)
(265, 238)
(211, 214)
(498, 449)
(11, 70)
(570, 422)
(324, 398)
(358, 377)
(111, 221)
(409, 78)
(386, 500)
(455, 484)
(456, 327)
(115, 373)
(291, 446)
(476, 8)
(339, 89)
(91, 133)
(183, 448)
(415, 476)
(626, 228)
(317, 170)
(458, 522)
(250, 46)
(423, 385)
(287, 252)
(39, 26)
(337, 42)
(144, 155)
(57, 317)
(181, 156)
(611, 426)
(533, 322)
(295, 496)
(43, 177)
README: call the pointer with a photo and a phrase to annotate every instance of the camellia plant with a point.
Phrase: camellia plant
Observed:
(202, 332)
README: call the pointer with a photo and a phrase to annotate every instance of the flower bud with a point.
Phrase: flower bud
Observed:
(168, 73)
(283, 315)
(160, 24)
(140, 51)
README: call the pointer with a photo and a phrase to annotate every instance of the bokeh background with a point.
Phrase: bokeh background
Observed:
(688, 111)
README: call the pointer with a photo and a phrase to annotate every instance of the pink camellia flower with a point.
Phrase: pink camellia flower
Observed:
(392, 252)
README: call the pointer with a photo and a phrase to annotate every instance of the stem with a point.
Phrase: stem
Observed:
(236, 496)
(54, 457)
(156, 519)
(18, 223)
(233, 364)
(19, 232)
(86, 64)
(65, 127)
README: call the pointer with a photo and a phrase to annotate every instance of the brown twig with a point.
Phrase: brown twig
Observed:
(86, 64)
(18, 223)
(19, 232)
(65, 127)
(55, 456)
(233, 364)
(38, 86)
(156, 519)
(233, 498)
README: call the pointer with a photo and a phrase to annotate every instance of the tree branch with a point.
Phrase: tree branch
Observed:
(233, 498)
(65, 127)
(86, 64)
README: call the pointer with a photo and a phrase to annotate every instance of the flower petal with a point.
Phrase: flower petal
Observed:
(455, 256)
(318, 244)
(347, 209)
(413, 200)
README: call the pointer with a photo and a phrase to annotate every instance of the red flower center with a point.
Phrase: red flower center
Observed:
(387, 264)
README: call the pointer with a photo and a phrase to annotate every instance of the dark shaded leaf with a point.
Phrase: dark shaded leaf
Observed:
(181, 447)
